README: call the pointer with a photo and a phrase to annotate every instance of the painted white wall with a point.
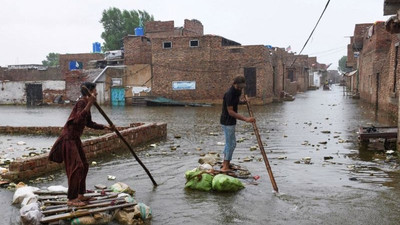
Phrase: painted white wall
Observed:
(100, 93)
(14, 92)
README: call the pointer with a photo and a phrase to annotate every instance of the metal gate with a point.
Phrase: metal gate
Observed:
(34, 94)
(117, 96)
(251, 81)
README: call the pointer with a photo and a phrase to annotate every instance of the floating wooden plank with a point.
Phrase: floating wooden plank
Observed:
(53, 202)
(83, 212)
(46, 192)
(95, 205)
(43, 197)
(49, 204)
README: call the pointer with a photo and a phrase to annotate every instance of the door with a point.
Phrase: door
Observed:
(34, 94)
(251, 81)
(117, 96)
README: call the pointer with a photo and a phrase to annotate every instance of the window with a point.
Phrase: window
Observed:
(167, 44)
(194, 43)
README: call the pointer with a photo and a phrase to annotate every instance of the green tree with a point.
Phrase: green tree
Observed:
(118, 24)
(342, 65)
(52, 60)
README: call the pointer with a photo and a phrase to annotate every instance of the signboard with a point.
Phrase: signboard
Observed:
(183, 85)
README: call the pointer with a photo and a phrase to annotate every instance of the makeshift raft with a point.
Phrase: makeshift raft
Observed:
(103, 207)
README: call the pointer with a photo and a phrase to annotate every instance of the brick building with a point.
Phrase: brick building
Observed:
(375, 79)
(31, 85)
(188, 65)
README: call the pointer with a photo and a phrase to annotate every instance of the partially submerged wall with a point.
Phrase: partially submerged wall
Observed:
(137, 134)
(14, 92)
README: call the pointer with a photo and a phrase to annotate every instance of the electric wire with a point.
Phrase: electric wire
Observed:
(305, 44)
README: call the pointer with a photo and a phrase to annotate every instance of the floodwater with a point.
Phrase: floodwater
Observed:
(356, 186)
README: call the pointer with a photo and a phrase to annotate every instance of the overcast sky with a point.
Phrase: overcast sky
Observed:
(29, 30)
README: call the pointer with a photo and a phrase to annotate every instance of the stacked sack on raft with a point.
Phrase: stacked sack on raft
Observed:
(206, 178)
(49, 206)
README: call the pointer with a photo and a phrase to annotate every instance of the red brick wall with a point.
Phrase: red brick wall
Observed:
(192, 27)
(279, 67)
(373, 60)
(359, 31)
(159, 29)
(137, 50)
(351, 60)
(212, 66)
(23, 169)
(83, 57)
(52, 73)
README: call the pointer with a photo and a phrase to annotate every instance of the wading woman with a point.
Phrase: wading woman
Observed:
(68, 147)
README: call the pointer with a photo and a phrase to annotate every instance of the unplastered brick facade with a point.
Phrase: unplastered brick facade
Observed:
(376, 85)
(211, 62)
(210, 65)
(167, 28)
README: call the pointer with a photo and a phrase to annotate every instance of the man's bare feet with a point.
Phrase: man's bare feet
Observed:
(75, 202)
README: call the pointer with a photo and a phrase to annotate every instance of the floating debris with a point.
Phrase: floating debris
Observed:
(240, 140)
(253, 148)
(153, 145)
(111, 177)
(247, 159)
(100, 186)
(94, 163)
(306, 160)
(325, 131)
(177, 136)
(389, 152)
(21, 143)
(282, 157)
(220, 143)
(328, 157)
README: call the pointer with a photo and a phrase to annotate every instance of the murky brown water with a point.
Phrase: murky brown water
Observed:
(355, 187)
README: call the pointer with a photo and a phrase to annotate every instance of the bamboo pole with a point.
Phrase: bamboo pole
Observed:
(261, 146)
(122, 138)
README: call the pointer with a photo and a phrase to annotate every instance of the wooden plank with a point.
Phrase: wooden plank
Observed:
(366, 133)
(83, 212)
(95, 205)
(43, 197)
(49, 204)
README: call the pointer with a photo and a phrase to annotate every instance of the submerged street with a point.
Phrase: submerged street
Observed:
(355, 186)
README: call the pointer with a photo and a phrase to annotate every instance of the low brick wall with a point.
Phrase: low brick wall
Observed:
(137, 134)
(54, 131)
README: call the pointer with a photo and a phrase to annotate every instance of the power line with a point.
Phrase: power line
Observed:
(326, 6)
(329, 50)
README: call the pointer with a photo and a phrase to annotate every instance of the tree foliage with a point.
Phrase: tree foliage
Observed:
(342, 65)
(52, 60)
(118, 24)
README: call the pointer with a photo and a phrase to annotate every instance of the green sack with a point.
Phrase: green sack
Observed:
(223, 182)
(198, 180)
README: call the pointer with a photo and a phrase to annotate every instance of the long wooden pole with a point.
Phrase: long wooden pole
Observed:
(261, 146)
(122, 138)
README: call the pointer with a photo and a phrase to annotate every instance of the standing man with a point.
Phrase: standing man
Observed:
(68, 147)
(228, 119)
